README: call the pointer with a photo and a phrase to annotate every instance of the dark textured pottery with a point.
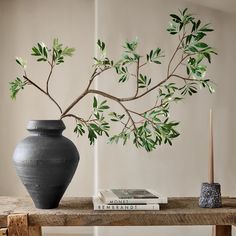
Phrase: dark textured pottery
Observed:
(46, 161)
(210, 196)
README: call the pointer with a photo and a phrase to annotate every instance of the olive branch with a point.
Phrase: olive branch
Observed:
(151, 127)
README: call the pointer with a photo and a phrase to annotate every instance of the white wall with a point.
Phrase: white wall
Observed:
(180, 169)
(174, 171)
(24, 23)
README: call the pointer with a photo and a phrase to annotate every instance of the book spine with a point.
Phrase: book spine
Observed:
(160, 200)
(105, 207)
(133, 201)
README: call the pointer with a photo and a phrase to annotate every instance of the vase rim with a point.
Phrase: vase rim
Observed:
(45, 125)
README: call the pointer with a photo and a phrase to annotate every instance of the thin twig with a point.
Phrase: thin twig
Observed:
(120, 100)
(117, 99)
(188, 78)
(34, 84)
(146, 92)
(173, 56)
(114, 99)
(49, 76)
(140, 114)
(145, 63)
(126, 125)
(43, 91)
(94, 75)
(55, 102)
(154, 107)
(50, 73)
(74, 116)
(181, 61)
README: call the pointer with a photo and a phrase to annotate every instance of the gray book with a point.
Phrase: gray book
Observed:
(130, 196)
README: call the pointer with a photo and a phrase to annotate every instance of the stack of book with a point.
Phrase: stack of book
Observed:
(128, 200)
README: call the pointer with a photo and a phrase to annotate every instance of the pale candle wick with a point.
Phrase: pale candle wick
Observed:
(211, 153)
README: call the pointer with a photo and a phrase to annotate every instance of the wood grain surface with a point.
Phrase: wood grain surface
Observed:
(3, 232)
(18, 225)
(35, 230)
(79, 212)
(222, 230)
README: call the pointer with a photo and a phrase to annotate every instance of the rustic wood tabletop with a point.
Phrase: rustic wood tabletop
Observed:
(79, 212)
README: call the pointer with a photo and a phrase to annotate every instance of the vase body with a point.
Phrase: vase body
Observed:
(46, 161)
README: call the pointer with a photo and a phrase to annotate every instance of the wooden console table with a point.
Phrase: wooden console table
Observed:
(18, 216)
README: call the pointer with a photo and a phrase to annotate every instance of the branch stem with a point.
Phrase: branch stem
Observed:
(141, 115)
(127, 99)
(74, 116)
(173, 56)
(146, 92)
(94, 75)
(43, 91)
(109, 96)
(50, 72)
(34, 84)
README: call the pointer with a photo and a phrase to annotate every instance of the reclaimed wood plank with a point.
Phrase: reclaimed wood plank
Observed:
(79, 212)
(18, 225)
(222, 230)
(3, 232)
(35, 230)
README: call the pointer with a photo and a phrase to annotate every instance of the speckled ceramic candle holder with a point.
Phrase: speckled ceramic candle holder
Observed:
(210, 196)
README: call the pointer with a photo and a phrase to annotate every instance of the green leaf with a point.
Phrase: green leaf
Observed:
(208, 56)
(201, 45)
(101, 45)
(45, 52)
(59, 52)
(206, 28)
(40, 48)
(156, 62)
(131, 45)
(123, 78)
(192, 49)
(95, 102)
(91, 135)
(104, 107)
(41, 59)
(184, 11)
(35, 52)
(16, 86)
(79, 129)
(56, 45)
(68, 51)
(154, 56)
(199, 36)
(177, 18)
(40, 51)
(198, 24)
(21, 62)
(143, 81)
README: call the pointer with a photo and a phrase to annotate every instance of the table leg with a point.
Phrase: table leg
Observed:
(222, 230)
(18, 226)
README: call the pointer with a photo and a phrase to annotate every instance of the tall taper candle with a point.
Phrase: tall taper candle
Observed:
(211, 152)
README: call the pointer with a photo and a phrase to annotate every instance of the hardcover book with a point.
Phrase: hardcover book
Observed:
(98, 204)
(131, 196)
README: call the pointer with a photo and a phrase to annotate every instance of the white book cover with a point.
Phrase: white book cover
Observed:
(131, 196)
(99, 205)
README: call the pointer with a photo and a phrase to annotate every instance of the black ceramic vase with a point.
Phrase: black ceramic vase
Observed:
(46, 161)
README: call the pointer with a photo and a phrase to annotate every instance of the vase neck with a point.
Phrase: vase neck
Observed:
(46, 127)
